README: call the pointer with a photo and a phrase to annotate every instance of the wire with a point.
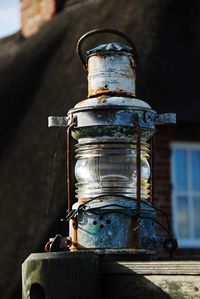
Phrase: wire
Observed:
(80, 208)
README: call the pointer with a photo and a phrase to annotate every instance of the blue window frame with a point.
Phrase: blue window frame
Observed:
(185, 165)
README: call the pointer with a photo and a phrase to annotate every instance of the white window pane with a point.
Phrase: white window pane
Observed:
(180, 157)
(182, 217)
(196, 202)
(195, 159)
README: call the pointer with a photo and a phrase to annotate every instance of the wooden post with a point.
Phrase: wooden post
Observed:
(61, 275)
(81, 275)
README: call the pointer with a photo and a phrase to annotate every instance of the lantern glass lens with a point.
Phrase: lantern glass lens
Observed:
(109, 169)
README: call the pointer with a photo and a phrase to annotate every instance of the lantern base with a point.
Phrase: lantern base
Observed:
(110, 224)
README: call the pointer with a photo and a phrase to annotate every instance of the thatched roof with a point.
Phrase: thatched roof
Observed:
(42, 76)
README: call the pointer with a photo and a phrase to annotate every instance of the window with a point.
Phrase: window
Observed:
(186, 193)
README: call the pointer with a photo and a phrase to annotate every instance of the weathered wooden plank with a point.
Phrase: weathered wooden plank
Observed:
(152, 267)
(178, 286)
(150, 286)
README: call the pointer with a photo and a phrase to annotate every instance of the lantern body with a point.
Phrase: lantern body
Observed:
(112, 128)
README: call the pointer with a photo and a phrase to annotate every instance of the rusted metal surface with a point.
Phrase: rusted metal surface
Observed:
(109, 113)
(111, 67)
(106, 100)
(111, 73)
(107, 223)
(58, 243)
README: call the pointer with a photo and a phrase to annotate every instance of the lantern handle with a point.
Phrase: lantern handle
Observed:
(103, 30)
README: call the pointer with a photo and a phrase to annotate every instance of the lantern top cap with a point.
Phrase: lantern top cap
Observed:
(132, 50)
(111, 47)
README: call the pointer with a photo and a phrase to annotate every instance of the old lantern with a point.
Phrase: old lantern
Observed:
(113, 130)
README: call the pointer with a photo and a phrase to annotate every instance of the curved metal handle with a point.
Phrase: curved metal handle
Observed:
(103, 30)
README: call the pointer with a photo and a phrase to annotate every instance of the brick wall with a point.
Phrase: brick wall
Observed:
(35, 13)
(162, 168)
(162, 175)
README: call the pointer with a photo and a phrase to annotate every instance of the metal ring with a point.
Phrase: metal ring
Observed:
(103, 30)
(48, 246)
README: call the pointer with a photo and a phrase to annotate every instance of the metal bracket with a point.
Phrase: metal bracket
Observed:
(152, 118)
(166, 118)
(58, 121)
(58, 243)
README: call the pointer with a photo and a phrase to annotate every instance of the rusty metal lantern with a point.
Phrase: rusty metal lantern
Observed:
(114, 129)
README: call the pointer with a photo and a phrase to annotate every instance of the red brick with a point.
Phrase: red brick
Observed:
(34, 14)
(26, 3)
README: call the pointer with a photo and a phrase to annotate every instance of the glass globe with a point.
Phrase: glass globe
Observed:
(110, 169)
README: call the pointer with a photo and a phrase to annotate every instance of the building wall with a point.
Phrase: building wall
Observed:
(162, 168)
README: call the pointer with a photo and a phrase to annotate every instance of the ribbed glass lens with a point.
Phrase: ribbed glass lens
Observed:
(104, 169)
